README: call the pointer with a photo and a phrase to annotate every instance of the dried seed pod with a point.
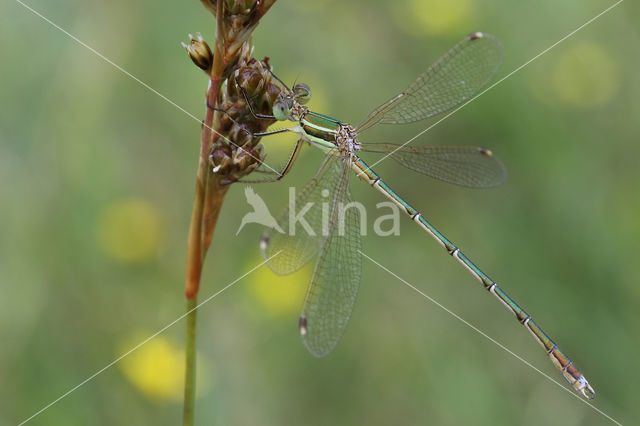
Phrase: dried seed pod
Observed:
(235, 151)
(199, 52)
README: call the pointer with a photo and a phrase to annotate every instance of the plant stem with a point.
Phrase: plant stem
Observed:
(190, 370)
(206, 206)
(231, 53)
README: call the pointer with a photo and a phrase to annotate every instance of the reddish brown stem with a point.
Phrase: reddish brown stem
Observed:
(209, 193)
(206, 206)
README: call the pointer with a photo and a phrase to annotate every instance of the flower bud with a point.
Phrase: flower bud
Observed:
(220, 158)
(271, 93)
(235, 7)
(200, 53)
(251, 80)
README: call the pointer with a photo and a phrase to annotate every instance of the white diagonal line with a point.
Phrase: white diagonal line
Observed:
(476, 329)
(499, 81)
(91, 377)
(128, 74)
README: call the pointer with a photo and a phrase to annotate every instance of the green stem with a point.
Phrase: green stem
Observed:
(190, 364)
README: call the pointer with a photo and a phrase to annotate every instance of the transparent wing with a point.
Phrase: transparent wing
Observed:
(461, 165)
(334, 286)
(298, 234)
(451, 80)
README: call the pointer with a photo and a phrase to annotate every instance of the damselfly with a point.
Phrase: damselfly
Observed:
(331, 294)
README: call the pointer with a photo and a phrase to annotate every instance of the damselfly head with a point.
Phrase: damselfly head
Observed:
(282, 108)
(301, 93)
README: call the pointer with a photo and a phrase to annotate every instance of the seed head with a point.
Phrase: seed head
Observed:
(238, 123)
(199, 52)
(235, 151)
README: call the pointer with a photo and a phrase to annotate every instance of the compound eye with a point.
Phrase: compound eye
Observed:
(302, 93)
(281, 110)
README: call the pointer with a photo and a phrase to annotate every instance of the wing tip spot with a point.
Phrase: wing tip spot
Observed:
(264, 242)
(485, 151)
(302, 325)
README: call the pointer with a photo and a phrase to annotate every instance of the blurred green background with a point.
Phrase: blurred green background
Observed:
(96, 184)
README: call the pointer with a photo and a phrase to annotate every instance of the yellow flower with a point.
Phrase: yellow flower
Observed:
(434, 17)
(156, 368)
(279, 294)
(129, 230)
(585, 76)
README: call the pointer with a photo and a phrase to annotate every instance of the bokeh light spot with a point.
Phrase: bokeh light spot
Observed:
(434, 17)
(585, 76)
(279, 294)
(130, 230)
(156, 369)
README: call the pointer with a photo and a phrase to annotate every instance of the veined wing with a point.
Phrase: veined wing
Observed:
(469, 166)
(301, 221)
(334, 285)
(451, 80)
